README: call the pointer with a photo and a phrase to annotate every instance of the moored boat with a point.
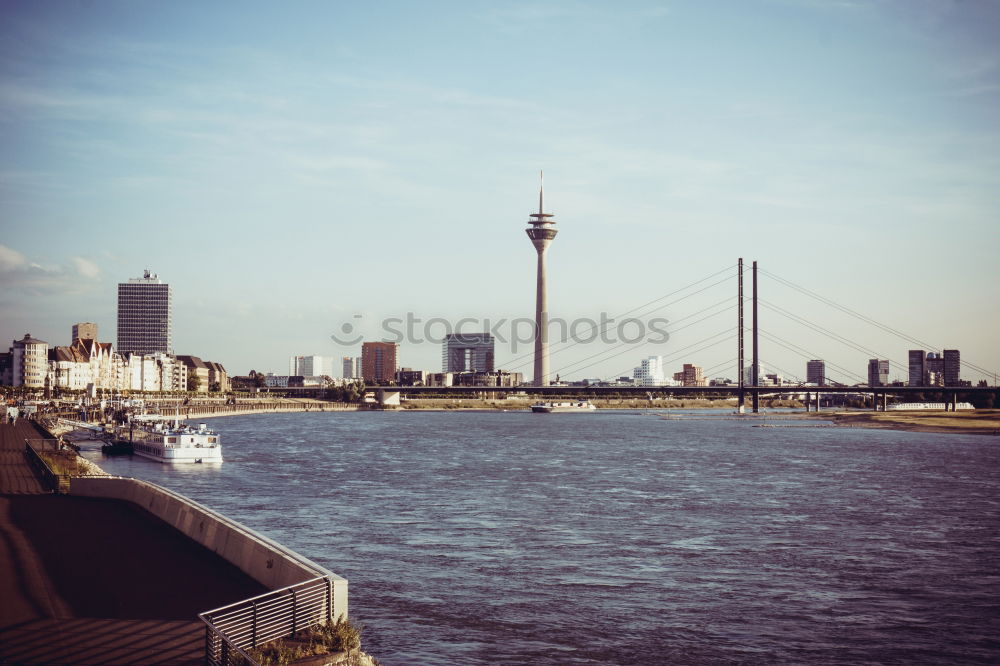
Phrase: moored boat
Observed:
(179, 443)
(561, 407)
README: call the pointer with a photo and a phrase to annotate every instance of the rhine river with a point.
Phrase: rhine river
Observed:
(624, 538)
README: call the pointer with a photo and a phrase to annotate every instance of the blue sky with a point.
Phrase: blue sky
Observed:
(288, 167)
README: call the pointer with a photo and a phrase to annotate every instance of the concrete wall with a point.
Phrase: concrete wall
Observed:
(267, 561)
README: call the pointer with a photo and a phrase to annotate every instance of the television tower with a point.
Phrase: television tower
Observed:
(541, 232)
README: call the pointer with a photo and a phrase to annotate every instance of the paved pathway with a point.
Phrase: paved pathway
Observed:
(16, 475)
(93, 581)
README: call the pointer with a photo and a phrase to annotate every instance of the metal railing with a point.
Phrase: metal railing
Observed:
(233, 630)
(57, 483)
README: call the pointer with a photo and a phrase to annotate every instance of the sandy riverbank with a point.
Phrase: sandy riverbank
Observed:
(978, 422)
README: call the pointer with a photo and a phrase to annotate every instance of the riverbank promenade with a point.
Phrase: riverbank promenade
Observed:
(93, 581)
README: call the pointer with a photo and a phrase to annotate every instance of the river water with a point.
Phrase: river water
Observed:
(624, 538)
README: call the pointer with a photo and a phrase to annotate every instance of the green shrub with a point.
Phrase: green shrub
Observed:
(340, 636)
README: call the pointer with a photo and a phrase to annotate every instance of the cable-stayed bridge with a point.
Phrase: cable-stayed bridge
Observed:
(742, 330)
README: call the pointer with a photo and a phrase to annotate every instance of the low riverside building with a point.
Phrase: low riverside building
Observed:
(197, 373)
(218, 379)
(86, 362)
(410, 377)
(244, 382)
(773, 379)
(496, 378)
(205, 375)
(68, 369)
(443, 379)
(690, 375)
(155, 372)
(295, 381)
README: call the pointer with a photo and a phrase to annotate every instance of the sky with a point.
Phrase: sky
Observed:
(309, 170)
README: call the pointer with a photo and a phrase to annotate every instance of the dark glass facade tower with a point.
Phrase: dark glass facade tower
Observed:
(468, 352)
(144, 316)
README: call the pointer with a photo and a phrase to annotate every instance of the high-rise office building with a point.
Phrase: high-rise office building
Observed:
(878, 372)
(348, 367)
(917, 362)
(84, 331)
(378, 362)
(816, 372)
(310, 366)
(144, 317)
(952, 367)
(467, 352)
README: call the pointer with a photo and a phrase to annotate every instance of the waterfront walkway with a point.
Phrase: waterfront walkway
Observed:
(94, 581)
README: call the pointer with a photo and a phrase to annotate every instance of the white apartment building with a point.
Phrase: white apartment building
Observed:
(29, 362)
(154, 372)
(650, 373)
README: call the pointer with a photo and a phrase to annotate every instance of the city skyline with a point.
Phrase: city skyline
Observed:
(829, 141)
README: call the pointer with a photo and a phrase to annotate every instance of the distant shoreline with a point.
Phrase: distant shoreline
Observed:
(978, 422)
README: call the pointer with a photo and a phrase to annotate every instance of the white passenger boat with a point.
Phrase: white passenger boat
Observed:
(177, 443)
(560, 407)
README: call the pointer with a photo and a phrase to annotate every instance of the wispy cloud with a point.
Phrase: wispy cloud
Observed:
(17, 270)
(86, 267)
(11, 260)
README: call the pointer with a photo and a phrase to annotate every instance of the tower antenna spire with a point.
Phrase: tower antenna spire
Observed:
(541, 189)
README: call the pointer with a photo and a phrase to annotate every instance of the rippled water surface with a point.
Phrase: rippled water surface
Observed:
(623, 538)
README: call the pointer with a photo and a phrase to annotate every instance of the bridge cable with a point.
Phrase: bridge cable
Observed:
(830, 334)
(561, 346)
(678, 354)
(869, 320)
(805, 353)
(630, 344)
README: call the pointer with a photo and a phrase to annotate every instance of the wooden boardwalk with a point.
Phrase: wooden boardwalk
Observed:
(93, 581)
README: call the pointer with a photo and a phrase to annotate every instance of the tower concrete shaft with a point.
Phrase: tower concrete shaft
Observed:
(541, 232)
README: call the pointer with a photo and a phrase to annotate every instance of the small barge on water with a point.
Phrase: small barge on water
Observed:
(561, 407)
